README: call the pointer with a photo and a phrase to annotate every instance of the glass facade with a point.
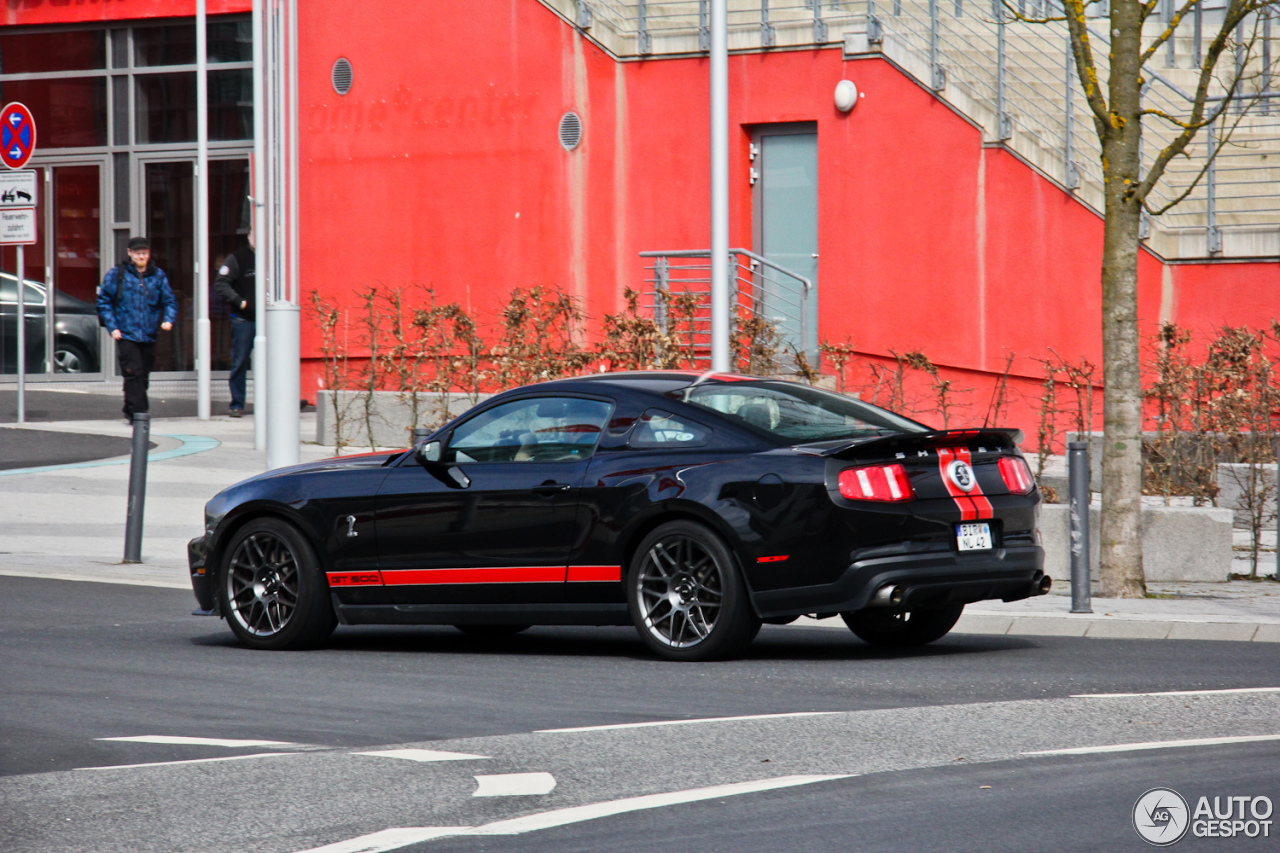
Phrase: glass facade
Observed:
(116, 111)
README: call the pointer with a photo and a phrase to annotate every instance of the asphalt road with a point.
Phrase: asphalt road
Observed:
(878, 751)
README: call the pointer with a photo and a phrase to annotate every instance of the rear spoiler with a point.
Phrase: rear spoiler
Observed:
(992, 439)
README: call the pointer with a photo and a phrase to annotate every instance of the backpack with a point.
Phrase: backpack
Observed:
(115, 303)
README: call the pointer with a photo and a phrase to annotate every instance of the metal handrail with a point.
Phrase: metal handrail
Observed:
(762, 295)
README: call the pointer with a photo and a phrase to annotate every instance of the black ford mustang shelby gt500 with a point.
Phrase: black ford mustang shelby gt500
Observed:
(692, 507)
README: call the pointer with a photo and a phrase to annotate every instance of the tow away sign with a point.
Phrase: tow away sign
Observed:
(18, 188)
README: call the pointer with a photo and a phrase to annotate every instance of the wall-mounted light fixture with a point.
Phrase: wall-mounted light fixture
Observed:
(846, 96)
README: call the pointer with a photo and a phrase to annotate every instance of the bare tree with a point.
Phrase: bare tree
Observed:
(1118, 113)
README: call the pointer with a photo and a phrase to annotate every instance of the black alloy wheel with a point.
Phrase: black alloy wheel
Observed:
(272, 592)
(686, 597)
(902, 628)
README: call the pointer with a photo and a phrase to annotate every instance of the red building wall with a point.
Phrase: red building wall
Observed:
(441, 167)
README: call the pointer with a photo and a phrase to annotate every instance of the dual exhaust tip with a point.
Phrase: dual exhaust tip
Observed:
(891, 595)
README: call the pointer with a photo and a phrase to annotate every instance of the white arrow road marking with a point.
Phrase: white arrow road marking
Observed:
(196, 741)
(191, 761)
(688, 722)
(391, 839)
(422, 755)
(1177, 693)
(1155, 744)
(514, 784)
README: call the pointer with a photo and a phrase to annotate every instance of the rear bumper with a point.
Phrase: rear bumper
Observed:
(201, 575)
(928, 580)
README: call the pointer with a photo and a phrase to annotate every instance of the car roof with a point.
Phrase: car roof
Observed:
(655, 381)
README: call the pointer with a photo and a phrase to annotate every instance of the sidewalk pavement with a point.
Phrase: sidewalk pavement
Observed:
(67, 522)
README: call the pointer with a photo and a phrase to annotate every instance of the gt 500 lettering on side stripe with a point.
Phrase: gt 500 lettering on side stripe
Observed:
(355, 578)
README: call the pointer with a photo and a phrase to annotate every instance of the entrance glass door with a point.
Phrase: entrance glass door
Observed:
(787, 221)
(169, 210)
(70, 262)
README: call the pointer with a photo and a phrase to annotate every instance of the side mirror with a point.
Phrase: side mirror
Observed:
(428, 453)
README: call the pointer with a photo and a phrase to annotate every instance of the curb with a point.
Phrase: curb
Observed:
(1105, 628)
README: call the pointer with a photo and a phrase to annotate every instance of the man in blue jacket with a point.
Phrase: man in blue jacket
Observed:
(135, 302)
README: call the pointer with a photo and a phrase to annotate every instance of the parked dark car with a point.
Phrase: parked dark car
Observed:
(75, 328)
(691, 507)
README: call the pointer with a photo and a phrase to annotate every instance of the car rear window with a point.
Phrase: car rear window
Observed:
(797, 413)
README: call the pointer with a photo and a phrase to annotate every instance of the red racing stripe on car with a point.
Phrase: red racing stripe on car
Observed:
(967, 510)
(980, 501)
(599, 574)
(355, 578)
(497, 574)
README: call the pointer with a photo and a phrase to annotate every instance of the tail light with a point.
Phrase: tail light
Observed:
(1016, 475)
(876, 483)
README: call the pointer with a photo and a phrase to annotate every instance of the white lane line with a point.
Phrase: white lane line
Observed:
(1155, 744)
(422, 755)
(391, 839)
(688, 722)
(1177, 693)
(191, 761)
(514, 785)
(196, 741)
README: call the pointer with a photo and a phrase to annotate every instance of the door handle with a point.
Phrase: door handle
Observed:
(550, 488)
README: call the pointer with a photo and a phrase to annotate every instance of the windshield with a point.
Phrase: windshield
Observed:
(798, 413)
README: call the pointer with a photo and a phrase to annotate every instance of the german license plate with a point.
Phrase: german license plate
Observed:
(973, 537)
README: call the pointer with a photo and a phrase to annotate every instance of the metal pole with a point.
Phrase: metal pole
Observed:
(137, 488)
(283, 318)
(1078, 474)
(22, 336)
(720, 186)
(204, 330)
(261, 233)
(1003, 125)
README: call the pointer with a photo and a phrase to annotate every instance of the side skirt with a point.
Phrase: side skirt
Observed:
(483, 614)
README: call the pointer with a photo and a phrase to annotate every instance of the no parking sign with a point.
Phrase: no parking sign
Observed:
(17, 135)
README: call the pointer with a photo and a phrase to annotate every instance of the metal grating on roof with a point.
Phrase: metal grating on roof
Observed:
(341, 76)
(570, 130)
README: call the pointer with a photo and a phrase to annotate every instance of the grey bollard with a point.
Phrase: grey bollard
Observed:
(1078, 478)
(137, 488)
(420, 435)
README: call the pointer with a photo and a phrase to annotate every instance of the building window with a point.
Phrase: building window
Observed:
(34, 53)
(71, 112)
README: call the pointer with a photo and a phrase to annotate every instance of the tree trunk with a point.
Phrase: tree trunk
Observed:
(1121, 534)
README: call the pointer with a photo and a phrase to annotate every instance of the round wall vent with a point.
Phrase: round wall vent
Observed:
(341, 76)
(570, 131)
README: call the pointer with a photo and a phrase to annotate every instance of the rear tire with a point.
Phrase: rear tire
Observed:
(492, 630)
(271, 590)
(903, 628)
(687, 599)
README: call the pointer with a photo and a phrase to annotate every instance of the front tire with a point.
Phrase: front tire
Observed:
(903, 628)
(271, 589)
(687, 600)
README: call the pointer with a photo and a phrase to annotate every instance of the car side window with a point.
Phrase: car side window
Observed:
(658, 428)
(537, 429)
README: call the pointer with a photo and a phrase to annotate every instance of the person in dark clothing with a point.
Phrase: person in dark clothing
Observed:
(135, 302)
(235, 284)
